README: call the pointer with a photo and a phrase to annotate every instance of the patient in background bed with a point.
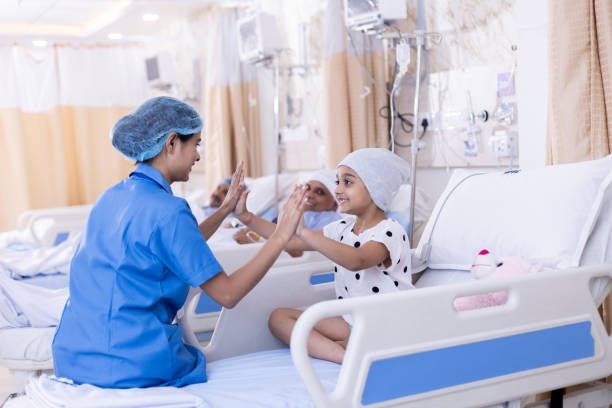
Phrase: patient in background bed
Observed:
(217, 197)
(320, 208)
(371, 252)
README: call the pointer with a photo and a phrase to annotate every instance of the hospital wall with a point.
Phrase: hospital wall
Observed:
(474, 51)
(481, 40)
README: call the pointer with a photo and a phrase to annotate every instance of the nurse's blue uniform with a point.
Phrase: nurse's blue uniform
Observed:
(139, 253)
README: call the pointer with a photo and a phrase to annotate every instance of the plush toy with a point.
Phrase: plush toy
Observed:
(487, 266)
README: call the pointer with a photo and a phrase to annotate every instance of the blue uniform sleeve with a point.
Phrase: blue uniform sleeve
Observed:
(180, 246)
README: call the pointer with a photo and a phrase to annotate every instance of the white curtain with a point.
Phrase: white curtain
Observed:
(57, 106)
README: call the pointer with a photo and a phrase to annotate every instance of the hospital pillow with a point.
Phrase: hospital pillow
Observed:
(262, 192)
(546, 215)
(401, 204)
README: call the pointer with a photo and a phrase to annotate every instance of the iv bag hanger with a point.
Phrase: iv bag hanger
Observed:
(373, 17)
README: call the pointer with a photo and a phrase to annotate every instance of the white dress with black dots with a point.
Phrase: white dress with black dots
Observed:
(377, 279)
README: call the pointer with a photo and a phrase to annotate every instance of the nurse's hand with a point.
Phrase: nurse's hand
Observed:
(292, 213)
(235, 189)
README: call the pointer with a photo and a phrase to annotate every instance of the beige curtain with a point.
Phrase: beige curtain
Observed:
(352, 99)
(580, 87)
(56, 158)
(56, 110)
(231, 110)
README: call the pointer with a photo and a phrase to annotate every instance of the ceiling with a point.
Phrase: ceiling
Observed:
(22, 21)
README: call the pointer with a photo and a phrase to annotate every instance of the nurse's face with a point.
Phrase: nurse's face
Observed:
(187, 154)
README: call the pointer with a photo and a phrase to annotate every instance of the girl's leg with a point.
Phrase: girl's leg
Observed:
(326, 341)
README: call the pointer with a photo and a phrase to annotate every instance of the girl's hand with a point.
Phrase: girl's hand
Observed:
(300, 227)
(234, 193)
(241, 211)
(292, 213)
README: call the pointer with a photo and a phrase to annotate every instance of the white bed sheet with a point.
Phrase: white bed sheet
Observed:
(267, 379)
(26, 343)
(437, 277)
(264, 379)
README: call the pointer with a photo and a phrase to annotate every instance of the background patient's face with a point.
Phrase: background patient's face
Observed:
(217, 197)
(318, 198)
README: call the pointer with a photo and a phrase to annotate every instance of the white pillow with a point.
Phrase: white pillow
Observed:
(545, 215)
(401, 203)
(262, 192)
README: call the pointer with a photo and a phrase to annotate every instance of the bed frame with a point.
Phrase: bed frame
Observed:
(547, 335)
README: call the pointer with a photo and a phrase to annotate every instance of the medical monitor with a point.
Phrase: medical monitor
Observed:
(370, 15)
(161, 70)
(258, 37)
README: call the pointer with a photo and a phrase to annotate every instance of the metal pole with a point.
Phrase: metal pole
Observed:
(414, 146)
(276, 74)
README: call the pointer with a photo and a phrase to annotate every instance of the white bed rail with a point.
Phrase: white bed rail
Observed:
(550, 316)
(45, 224)
(231, 258)
(244, 329)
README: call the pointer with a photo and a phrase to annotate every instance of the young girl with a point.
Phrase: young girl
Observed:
(371, 252)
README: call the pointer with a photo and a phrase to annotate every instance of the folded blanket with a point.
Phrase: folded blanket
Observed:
(39, 261)
(51, 392)
(22, 304)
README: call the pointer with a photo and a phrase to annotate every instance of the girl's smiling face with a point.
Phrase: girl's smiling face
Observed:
(352, 195)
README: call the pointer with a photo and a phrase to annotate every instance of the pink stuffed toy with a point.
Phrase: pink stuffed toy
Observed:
(486, 266)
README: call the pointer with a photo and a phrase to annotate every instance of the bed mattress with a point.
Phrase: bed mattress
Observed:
(265, 379)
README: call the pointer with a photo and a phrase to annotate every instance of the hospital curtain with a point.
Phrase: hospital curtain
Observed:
(580, 81)
(580, 87)
(53, 135)
(231, 111)
(355, 77)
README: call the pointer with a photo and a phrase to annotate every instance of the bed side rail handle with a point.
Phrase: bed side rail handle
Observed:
(376, 340)
(299, 351)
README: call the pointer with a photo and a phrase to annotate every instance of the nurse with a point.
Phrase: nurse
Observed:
(141, 250)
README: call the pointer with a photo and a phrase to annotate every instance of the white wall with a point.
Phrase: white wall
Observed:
(532, 81)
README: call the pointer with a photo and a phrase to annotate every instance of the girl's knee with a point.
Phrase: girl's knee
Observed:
(280, 315)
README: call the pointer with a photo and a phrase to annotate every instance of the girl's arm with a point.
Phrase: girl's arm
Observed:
(210, 225)
(354, 259)
(265, 228)
(228, 290)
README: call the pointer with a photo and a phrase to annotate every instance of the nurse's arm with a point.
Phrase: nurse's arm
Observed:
(236, 189)
(228, 290)
(265, 228)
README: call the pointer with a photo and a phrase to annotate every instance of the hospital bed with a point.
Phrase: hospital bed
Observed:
(412, 348)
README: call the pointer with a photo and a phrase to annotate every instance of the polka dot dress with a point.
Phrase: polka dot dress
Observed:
(379, 278)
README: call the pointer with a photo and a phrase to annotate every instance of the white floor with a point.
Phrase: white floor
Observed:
(7, 384)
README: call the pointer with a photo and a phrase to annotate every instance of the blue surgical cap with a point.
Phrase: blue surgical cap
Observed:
(141, 134)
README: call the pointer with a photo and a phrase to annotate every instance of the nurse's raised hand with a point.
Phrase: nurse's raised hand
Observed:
(292, 213)
(235, 189)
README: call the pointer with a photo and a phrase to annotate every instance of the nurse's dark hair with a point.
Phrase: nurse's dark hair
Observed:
(182, 138)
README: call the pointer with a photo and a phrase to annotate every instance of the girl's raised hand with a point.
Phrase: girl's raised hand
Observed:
(292, 213)
(236, 188)
(241, 211)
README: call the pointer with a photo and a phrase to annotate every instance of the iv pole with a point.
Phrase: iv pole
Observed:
(419, 36)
